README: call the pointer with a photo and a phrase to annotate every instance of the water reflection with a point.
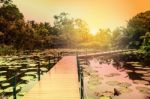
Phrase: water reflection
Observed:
(106, 76)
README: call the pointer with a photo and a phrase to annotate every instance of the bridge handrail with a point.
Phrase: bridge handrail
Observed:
(16, 75)
(80, 78)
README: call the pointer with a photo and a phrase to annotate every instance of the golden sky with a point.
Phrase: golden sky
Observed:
(97, 13)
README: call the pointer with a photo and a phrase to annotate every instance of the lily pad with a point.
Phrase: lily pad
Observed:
(94, 82)
(137, 65)
(2, 79)
(96, 78)
(10, 89)
(32, 68)
(143, 90)
(30, 73)
(105, 97)
(1, 91)
(129, 71)
(107, 93)
(21, 85)
(12, 68)
(140, 82)
(146, 68)
(89, 97)
(92, 87)
(94, 74)
(140, 71)
(27, 78)
(147, 75)
(125, 84)
(17, 66)
(86, 72)
(146, 78)
(113, 74)
(82, 62)
(113, 83)
(32, 65)
(132, 62)
(84, 66)
(124, 90)
(1, 72)
(5, 84)
(23, 69)
(44, 63)
(21, 93)
(44, 69)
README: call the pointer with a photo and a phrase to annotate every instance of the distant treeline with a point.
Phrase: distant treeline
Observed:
(18, 34)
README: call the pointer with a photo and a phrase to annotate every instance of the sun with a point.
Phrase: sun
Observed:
(93, 31)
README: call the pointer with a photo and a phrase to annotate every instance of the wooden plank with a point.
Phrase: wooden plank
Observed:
(102, 53)
(61, 82)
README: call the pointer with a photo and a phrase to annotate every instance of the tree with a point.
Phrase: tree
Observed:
(82, 31)
(10, 13)
(103, 36)
(146, 42)
(65, 27)
(6, 2)
(11, 22)
(138, 26)
(116, 34)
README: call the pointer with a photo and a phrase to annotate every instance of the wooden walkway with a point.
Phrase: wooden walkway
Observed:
(61, 82)
(104, 53)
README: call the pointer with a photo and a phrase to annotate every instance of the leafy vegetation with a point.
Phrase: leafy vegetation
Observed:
(16, 34)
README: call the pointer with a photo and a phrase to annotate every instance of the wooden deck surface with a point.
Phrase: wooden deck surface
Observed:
(61, 82)
(103, 53)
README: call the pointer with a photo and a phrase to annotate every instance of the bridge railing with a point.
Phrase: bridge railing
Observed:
(14, 82)
(80, 78)
(104, 53)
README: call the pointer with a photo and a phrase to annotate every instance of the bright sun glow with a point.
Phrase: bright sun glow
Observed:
(93, 31)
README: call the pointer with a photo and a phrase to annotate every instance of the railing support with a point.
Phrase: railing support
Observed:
(14, 86)
(80, 78)
(38, 71)
(78, 67)
(49, 63)
(82, 86)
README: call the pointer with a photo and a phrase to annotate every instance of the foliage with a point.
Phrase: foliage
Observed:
(68, 32)
(7, 50)
(104, 37)
(138, 55)
(145, 48)
(138, 26)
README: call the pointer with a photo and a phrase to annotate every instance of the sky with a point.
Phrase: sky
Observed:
(97, 13)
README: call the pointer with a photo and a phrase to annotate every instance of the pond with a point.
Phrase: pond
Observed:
(108, 78)
(26, 69)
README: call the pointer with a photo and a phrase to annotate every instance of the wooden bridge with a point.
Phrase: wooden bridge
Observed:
(61, 82)
(104, 53)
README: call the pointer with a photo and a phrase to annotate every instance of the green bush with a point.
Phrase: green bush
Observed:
(145, 48)
(7, 50)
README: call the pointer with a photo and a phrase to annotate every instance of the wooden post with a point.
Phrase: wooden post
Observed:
(82, 86)
(49, 63)
(78, 67)
(14, 86)
(38, 71)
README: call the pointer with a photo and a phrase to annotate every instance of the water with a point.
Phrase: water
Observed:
(103, 75)
(26, 69)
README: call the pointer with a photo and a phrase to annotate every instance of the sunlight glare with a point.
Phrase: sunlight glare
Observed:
(93, 31)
